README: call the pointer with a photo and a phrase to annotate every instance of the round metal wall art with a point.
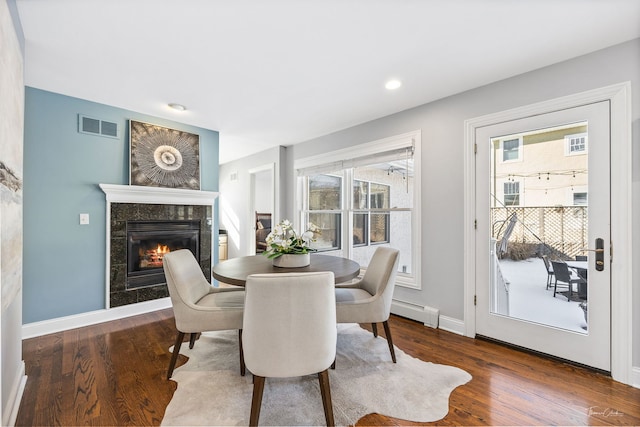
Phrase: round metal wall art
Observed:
(163, 157)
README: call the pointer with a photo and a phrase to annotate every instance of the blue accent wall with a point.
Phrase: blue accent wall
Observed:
(64, 262)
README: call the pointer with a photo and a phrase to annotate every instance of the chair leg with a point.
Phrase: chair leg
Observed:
(570, 292)
(387, 331)
(174, 356)
(323, 378)
(243, 368)
(192, 339)
(333, 365)
(374, 326)
(555, 287)
(256, 400)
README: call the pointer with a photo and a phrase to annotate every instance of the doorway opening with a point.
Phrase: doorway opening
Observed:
(262, 206)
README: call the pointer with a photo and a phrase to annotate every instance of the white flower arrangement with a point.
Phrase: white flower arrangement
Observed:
(284, 240)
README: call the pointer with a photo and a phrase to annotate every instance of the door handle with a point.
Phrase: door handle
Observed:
(599, 250)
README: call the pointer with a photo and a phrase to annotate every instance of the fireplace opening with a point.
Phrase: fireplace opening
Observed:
(149, 241)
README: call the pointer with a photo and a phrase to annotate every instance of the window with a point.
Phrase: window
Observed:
(511, 149)
(363, 197)
(379, 196)
(368, 200)
(575, 144)
(511, 193)
(580, 199)
(325, 202)
(360, 219)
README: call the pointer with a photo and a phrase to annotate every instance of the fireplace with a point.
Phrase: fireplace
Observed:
(149, 241)
(122, 214)
(178, 209)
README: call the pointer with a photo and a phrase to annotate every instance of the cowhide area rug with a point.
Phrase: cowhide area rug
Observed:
(212, 392)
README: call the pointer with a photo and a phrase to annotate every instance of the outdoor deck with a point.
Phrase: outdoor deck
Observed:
(530, 300)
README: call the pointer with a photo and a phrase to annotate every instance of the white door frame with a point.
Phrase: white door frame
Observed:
(619, 96)
(275, 197)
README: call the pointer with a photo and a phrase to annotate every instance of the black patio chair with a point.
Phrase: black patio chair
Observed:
(549, 270)
(562, 274)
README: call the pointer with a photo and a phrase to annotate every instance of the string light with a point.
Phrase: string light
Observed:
(549, 174)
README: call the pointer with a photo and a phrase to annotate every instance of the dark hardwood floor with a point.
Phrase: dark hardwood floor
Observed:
(114, 374)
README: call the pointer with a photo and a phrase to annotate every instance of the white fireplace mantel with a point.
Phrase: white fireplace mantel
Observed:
(157, 195)
(148, 195)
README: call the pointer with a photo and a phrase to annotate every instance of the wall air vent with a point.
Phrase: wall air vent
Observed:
(97, 127)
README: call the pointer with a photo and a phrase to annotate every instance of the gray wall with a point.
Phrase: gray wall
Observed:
(11, 133)
(235, 215)
(442, 122)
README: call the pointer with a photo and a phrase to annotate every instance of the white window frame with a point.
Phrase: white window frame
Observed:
(412, 280)
(577, 189)
(567, 144)
(519, 193)
(368, 212)
(520, 145)
(586, 198)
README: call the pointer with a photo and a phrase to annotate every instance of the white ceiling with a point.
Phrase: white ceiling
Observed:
(279, 72)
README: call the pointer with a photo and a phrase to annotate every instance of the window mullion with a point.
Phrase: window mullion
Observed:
(347, 236)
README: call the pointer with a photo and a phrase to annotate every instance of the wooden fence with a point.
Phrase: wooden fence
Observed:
(557, 230)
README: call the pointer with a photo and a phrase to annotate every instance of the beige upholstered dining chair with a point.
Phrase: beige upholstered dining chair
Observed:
(369, 299)
(198, 306)
(289, 330)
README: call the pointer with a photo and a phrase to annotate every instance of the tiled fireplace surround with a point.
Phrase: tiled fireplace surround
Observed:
(135, 203)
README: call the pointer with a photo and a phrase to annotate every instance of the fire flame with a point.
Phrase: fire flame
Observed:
(152, 258)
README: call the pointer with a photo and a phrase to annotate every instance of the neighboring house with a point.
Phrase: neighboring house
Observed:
(542, 177)
(541, 168)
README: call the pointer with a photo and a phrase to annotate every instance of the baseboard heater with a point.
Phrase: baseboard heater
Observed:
(428, 315)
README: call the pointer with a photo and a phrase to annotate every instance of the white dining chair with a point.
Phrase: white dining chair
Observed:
(369, 299)
(289, 330)
(198, 306)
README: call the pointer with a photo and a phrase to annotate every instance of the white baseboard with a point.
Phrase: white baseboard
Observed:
(635, 376)
(452, 325)
(15, 397)
(51, 326)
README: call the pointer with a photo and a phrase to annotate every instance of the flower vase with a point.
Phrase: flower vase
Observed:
(292, 260)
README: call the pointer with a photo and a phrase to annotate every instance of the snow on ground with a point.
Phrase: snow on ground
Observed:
(530, 300)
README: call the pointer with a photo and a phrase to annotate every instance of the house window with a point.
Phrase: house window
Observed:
(363, 197)
(511, 193)
(511, 150)
(379, 196)
(325, 203)
(575, 144)
(371, 223)
(580, 199)
(360, 215)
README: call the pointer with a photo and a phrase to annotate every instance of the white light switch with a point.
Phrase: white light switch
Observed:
(84, 219)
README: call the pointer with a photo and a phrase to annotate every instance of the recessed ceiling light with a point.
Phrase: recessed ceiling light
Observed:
(178, 107)
(393, 84)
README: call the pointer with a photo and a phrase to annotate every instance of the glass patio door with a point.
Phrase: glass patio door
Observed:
(543, 199)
